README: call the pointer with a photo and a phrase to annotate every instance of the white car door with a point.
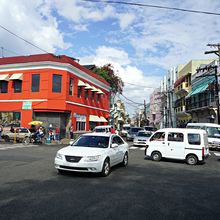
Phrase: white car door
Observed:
(114, 151)
(176, 145)
(121, 149)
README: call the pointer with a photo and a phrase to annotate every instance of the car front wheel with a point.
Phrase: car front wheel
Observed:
(125, 160)
(156, 156)
(105, 168)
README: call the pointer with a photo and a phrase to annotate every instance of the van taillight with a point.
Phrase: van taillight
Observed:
(203, 151)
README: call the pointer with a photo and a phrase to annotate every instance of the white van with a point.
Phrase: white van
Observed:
(102, 128)
(178, 143)
(213, 131)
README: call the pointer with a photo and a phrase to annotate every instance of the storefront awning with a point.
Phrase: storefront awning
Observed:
(4, 77)
(200, 88)
(94, 118)
(16, 76)
(88, 86)
(100, 91)
(102, 119)
(81, 83)
(94, 89)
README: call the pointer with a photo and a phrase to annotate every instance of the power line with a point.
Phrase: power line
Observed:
(154, 6)
(21, 38)
(10, 51)
(147, 87)
(131, 100)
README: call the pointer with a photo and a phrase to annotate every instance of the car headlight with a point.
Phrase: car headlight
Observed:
(92, 158)
(59, 156)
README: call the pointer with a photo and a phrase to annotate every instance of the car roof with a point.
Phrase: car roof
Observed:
(188, 130)
(204, 124)
(101, 134)
(103, 126)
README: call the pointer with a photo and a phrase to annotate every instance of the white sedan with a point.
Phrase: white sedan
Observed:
(93, 152)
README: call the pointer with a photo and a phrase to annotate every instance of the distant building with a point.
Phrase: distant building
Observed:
(201, 101)
(155, 108)
(182, 88)
(53, 89)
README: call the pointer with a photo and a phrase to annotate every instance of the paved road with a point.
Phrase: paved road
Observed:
(30, 188)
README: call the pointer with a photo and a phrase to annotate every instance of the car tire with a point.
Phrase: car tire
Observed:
(7, 139)
(125, 160)
(191, 159)
(156, 156)
(60, 171)
(26, 140)
(106, 168)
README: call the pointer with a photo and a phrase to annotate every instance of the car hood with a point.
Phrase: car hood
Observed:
(141, 138)
(81, 151)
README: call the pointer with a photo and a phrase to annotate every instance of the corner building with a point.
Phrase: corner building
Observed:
(53, 89)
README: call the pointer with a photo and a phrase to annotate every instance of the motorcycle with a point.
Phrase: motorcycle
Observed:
(35, 139)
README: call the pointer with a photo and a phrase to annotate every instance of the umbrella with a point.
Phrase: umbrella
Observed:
(35, 123)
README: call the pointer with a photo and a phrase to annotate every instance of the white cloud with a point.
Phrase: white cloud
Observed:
(126, 20)
(138, 86)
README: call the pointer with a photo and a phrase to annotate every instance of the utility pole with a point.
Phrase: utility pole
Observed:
(145, 113)
(216, 86)
(216, 52)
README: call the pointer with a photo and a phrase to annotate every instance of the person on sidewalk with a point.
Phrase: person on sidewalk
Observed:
(112, 130)
(71, 132)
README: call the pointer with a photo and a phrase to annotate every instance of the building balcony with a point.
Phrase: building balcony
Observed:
(181, 111)
(182, 89)
(200, 105)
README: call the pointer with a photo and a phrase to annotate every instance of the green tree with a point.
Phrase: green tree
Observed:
(107, 73)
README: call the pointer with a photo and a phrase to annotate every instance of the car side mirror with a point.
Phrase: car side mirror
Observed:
(114, 145)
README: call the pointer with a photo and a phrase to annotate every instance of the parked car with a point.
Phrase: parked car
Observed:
(125, 129)
(102, 128)
(132, 133)
(190, 145)
(149, 128)
(20, 135)
(93, 152)
(141, 138)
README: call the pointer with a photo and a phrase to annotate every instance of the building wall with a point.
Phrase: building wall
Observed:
(53, 102)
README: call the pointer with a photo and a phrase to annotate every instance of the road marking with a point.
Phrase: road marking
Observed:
(133, 148)
(217, 154)
(14, 146)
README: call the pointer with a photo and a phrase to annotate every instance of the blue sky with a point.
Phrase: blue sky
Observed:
(141, 43)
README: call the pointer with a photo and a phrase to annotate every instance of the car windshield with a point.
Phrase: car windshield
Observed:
(135, 130)
(100, 130)
(92, 141)
(126, 128)
(149, 128)
(144, 134)
(213, 132)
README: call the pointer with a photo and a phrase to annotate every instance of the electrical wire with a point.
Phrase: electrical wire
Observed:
(21, 38)
(10, 51)
(154, 6)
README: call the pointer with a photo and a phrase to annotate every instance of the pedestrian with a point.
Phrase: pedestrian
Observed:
(57, 134)
(71, 132)
(112, 130)
(12, 129)
(1, 131)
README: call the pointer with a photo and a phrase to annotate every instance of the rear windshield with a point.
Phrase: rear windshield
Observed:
(143, 134)
(194, 139)
(101, 129)
(134, 130)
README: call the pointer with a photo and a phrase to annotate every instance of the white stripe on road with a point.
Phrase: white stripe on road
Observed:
(15, 146)
(133, 148)
(217, 154)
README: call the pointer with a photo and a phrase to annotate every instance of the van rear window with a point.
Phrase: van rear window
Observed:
(194, 139)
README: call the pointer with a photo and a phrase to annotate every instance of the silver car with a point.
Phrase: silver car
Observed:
(141, 138)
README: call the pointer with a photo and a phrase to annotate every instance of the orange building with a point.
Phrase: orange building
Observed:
(54, 89)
